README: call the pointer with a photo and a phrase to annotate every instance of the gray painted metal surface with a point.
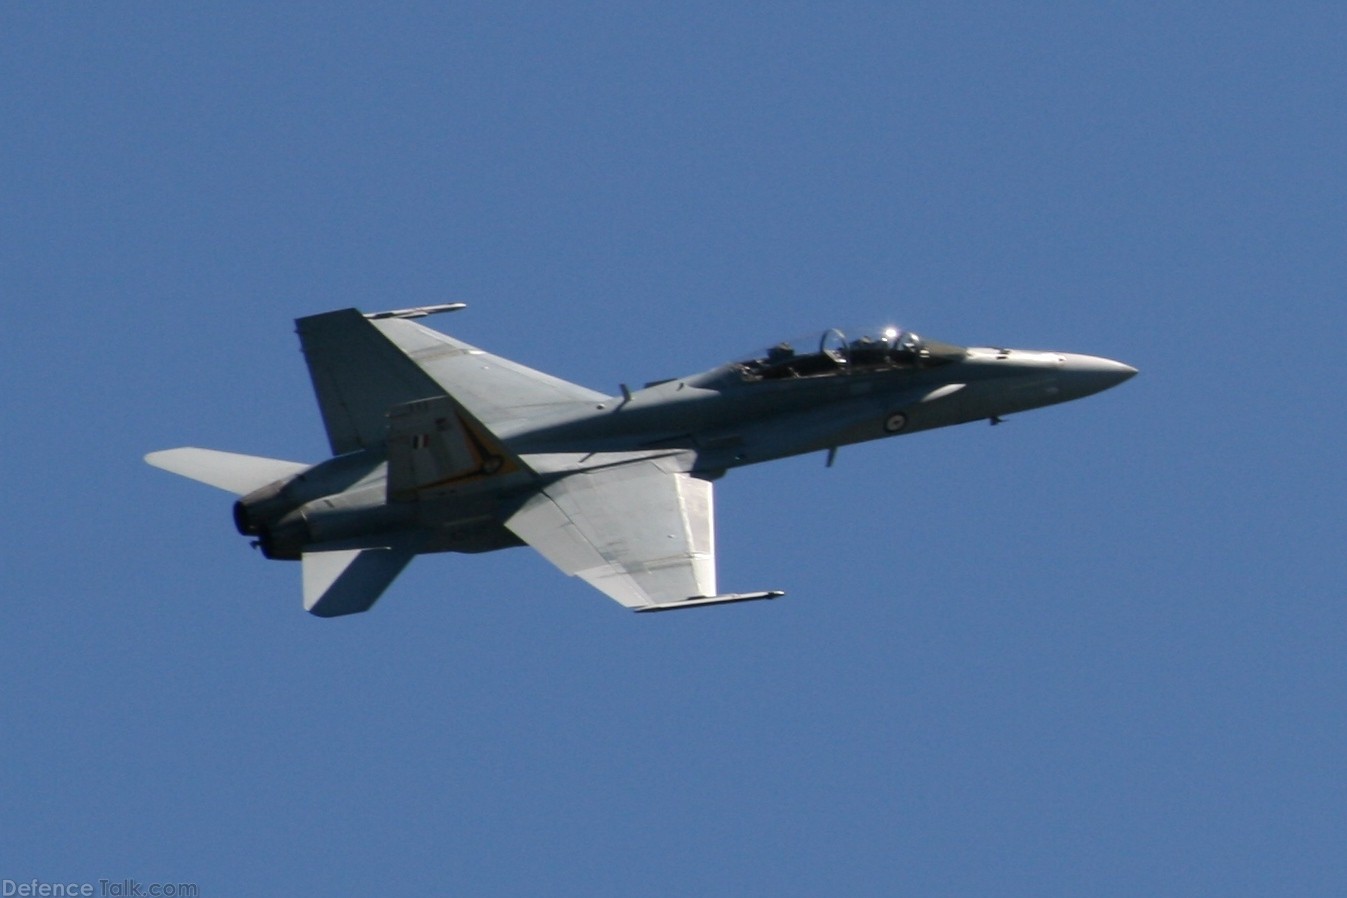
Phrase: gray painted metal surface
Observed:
(441, 447)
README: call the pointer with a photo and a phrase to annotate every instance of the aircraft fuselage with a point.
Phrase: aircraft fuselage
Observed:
(713, 421)
(439, 446)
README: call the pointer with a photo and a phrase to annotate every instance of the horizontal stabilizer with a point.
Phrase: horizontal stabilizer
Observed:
(239, 474)
(349, 581)
(715, 600)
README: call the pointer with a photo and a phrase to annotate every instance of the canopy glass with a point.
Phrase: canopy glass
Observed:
(835, 351)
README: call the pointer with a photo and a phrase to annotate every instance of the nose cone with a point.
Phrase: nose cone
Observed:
(1083, 375)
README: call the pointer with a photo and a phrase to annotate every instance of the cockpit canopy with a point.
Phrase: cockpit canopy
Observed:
(838, 352)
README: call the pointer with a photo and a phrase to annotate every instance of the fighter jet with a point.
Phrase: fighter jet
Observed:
(439, 446)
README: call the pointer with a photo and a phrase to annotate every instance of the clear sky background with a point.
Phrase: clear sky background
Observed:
(1098, 650)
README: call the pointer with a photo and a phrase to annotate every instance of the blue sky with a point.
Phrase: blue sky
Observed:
(1095, 651)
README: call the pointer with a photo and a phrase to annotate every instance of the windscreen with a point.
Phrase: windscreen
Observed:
(837, 351)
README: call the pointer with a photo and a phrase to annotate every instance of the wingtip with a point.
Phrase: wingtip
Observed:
(417, 312)
(727, 598)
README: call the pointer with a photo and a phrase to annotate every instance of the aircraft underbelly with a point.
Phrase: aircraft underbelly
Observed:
(860, 415)
(1008, 396)
(840, 423)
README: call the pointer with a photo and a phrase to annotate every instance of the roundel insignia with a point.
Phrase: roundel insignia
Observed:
(895, 422)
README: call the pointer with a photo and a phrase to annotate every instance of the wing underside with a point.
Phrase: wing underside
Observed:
(641, 535)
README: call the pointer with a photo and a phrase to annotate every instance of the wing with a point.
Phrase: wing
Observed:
(357, 376)
(496, 391)
(637, 533)
(362, 366)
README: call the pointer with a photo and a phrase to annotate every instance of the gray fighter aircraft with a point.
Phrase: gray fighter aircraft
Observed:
(441, 447)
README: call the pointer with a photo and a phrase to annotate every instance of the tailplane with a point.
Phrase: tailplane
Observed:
(230, 471)
(341, 581)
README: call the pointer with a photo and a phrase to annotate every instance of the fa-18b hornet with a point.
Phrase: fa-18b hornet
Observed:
(441, 447)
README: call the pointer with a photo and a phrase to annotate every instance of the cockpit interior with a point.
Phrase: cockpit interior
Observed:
(834, 353)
